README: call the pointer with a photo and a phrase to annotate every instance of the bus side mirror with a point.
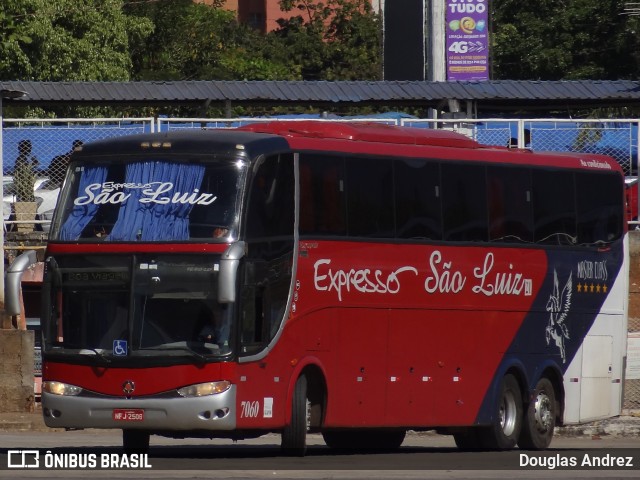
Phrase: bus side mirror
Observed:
(229, 263)
(13, 282)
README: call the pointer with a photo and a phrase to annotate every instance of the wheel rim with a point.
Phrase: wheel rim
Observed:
(543, 415)
(508, 413)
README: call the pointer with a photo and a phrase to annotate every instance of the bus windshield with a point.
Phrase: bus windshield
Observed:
(149, 200)
(136, 306)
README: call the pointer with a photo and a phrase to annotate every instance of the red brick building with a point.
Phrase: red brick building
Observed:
(262, 14)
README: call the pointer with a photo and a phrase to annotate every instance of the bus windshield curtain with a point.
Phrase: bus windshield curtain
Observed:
(81, 215)
(145, 216)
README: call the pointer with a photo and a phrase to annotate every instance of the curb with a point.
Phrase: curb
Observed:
(622, 426)
(22, 422)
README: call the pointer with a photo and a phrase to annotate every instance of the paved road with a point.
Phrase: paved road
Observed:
(425, 456)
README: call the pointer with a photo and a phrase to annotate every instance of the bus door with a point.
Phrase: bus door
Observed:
(265, 280)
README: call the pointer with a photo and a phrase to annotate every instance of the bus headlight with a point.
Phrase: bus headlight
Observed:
(203, 389)
(59, 388)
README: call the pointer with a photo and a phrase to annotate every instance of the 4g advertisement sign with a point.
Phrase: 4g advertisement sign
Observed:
(467, 41)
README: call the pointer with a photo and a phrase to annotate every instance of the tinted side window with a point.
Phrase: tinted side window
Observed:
(510, 208)
(417, 192)
(554, 208)
(267, 265)
(464, 205)
(322, 197)
(370, 208)
(271, 200)
(599, 203)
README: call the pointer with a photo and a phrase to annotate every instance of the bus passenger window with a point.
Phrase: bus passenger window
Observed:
(370, 210)
(554, 208)
(417, 199)
(322, 199)
(464, 206)
(599, 205)
(510, 208)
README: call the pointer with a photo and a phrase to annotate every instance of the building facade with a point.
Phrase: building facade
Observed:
(263, 14)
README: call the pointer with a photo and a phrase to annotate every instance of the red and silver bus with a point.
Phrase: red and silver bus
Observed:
(355, 280)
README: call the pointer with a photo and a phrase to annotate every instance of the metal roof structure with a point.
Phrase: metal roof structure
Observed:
(498, 95)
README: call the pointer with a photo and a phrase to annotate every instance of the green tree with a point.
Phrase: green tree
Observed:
(563, 39)
(14, 16)
(199, 42)
(67, 40)
(330, 40)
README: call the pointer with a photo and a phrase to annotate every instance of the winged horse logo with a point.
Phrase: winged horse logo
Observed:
(558, 307)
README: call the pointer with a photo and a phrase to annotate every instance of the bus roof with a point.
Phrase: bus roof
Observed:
(364, 132)
(383, 139)
(360, 138)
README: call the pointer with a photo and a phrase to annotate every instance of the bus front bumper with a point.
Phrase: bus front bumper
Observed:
(210, 412)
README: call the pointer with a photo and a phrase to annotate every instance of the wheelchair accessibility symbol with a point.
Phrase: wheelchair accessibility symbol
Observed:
(120, 348)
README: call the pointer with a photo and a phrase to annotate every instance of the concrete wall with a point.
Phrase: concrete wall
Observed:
(16, 371)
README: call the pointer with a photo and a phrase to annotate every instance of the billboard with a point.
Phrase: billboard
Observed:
(467, 39)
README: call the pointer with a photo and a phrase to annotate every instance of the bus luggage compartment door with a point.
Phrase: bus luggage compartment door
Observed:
(595, 391)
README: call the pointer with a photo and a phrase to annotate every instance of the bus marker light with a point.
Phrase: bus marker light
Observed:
(294, 362)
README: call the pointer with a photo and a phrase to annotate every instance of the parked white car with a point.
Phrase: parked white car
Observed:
(45, 191)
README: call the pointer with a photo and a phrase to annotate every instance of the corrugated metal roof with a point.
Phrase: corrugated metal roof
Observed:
(502, 94)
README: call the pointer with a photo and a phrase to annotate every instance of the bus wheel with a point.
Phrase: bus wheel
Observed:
(363, 440)
(504, 432)
(468, 439)
(135, 441)
(540, 417)
(294, 435)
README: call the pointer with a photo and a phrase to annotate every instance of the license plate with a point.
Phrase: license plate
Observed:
(128, 415)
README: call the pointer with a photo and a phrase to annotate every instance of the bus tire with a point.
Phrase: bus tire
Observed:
(294, 435)
(504, 433)
(135, 441)
(540, 417)
(364, 439)
(468, 439)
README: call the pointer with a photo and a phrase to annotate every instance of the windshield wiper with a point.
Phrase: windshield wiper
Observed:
(84, 351)
(184, 348)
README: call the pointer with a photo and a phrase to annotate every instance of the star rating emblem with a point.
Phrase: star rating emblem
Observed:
(591, 287)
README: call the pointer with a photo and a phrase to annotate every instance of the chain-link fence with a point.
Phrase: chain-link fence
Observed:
(615, 138)
(167, 124)
(51, 139)
(38, 150)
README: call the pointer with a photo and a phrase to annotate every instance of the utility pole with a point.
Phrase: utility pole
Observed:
(436, 59)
